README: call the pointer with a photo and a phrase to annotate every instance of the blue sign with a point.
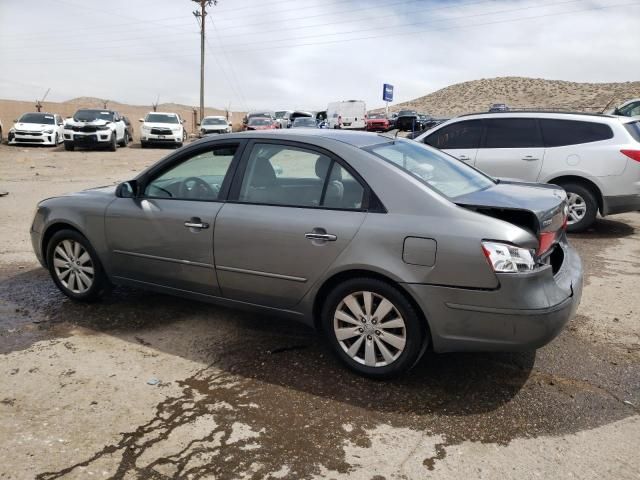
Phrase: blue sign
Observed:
(387, 92)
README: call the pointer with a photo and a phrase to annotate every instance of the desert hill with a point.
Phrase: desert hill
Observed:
(521, 92)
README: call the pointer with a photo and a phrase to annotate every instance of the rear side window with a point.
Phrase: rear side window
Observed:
(512, 133)
(558, 133)
(457, 135)
(634, 129)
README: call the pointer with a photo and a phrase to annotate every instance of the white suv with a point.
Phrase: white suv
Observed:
(214, 125)
(595, 158)
(162, 128)
(95, 128)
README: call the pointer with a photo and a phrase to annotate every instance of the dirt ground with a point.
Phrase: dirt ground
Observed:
(146, 386)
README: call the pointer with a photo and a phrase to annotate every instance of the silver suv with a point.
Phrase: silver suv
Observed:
(595, 158)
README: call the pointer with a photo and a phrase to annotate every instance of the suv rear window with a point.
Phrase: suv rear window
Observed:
(558, 133)
(634, 129)
(512, 133)
(457, 135)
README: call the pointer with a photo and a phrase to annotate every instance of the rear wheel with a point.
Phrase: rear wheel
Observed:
(373, 328)
(583, 206)
(75, 267)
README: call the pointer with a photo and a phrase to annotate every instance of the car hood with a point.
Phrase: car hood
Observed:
(536, 207)
(97, 122)
(33, 127)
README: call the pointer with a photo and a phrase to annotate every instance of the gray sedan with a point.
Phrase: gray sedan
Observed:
(388, 246)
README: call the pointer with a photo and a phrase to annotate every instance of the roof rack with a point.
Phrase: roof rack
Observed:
(540, 110)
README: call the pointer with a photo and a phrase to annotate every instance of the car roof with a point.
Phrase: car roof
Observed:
(165, 113)
(356, 139)
(537, 113)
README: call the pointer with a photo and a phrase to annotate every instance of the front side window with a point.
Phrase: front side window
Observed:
(199, 177)
(557, 133)
(287, 175)
(512, 133)
(445, 174)
(457, 135)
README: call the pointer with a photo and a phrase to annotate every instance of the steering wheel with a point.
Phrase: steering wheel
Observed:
(195, 187)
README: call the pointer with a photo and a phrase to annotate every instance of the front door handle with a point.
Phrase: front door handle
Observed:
(529, 158)
(323, 236)
(195, 222)
(464, 158)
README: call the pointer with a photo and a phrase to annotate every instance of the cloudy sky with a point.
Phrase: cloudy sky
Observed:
(305, 53)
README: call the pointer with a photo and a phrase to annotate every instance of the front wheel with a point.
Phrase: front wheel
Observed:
(373, 328)
(113, 145)
(125, 140)
(69, 147)
(75, 267)
(583, 207)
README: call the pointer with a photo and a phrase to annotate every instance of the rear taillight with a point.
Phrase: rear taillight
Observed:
(632, 154)
(545, 240)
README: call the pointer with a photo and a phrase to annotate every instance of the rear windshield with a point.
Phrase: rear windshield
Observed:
(40, 118)
(161, 118)
(445, 174)
(634, 129)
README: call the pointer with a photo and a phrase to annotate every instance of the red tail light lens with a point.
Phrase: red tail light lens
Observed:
(632, 154)
(546, 239)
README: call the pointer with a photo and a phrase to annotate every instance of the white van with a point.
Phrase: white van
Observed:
(349, 115)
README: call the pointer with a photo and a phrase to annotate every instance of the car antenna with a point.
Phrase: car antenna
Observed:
(392, 134)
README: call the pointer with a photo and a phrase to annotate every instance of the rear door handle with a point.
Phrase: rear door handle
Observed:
(327, 237)
(529, 158)
(195, 222)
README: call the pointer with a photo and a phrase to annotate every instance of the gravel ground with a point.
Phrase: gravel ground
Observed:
(149, 386)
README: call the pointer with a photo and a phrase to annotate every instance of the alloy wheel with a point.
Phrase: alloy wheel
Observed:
(73, 266)
(370, 329)
(577, 208)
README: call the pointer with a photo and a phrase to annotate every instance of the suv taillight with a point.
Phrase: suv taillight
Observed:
(632, 154)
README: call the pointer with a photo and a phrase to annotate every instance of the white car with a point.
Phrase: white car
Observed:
(351, 114)
(164, 128)
(595, 158)
(214, 125)
(95, 128)
(37, 128)
(630, 108)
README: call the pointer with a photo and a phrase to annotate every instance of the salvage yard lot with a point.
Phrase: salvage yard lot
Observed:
(149, 386)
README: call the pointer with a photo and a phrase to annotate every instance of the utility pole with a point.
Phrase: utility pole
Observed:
(201, 16)
(39, 102)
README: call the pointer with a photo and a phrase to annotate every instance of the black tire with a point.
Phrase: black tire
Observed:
(179, 145)
(100, 284)
(113, 145)
(57, 139)
(143, 144)
(69, 146)
(415, 330)
(124, 141)
(590, 201)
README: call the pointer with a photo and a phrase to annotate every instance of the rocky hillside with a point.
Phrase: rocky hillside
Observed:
(521, 92)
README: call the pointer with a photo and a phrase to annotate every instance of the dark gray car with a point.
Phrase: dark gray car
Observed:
(387, 245)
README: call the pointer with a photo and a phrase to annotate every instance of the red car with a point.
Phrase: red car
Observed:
(261, 123)
(377, 122)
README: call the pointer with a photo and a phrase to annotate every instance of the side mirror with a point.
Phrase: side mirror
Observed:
(141, 120)
(127, 189)
(184, 121)
(198, 124)
(15, 120)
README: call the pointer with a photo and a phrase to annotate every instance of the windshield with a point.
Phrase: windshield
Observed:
(91, 115)
(259, 114)
(214, 121)
(161, 118)
(443, 173)
(304, 122)
(376, 115)
(281, 114)
(402, 113)
(259, 121)
(41, 118)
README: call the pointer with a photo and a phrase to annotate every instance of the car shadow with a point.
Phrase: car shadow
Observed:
(604, 228)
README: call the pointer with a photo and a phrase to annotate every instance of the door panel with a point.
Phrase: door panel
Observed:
(519, 163)
(467, 155)
(149, 242)
(263, 256)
